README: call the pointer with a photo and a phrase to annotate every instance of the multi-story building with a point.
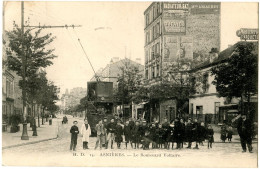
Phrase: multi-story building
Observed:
(174, 31)
(11, 92)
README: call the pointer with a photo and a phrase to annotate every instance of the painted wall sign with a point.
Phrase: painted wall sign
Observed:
(248, 34)
(204, 7)
(177, 6)
(175, 26)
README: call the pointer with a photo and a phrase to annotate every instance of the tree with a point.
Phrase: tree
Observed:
(238, 76)
(129, 83)
(27, 54)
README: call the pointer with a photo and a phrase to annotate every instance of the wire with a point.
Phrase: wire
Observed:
(86, 56)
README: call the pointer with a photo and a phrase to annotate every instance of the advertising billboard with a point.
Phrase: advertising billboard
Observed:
(204, 8)
(174, 26)
(177, 47)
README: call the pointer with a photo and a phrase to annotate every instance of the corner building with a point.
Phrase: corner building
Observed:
(176, 30)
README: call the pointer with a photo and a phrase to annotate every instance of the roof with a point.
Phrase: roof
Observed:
(224, 55)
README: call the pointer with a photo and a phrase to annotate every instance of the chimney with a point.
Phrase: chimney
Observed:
(138, 60)
(115, 59)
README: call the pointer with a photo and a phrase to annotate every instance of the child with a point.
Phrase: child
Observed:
(146, 140)
(210, 136)
(74, 136)
(171, 135)
(153, 135)
(230, 133)
(127, 133)
(223, 132)
(160, 134)
(118, 134)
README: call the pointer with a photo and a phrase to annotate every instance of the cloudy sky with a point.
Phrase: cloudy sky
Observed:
(123, 32)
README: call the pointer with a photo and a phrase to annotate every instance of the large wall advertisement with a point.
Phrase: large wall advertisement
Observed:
(177, 47)
(174, 26)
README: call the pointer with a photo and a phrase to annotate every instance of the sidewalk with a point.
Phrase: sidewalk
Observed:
(45, 132)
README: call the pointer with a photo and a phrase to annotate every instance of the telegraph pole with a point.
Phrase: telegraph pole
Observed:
(25, 133)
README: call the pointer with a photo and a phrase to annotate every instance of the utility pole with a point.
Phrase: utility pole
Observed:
(25, 133)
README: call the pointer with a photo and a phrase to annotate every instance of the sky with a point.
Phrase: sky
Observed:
(122, 33)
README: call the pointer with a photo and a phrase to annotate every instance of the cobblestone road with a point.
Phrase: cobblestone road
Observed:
(56, 153)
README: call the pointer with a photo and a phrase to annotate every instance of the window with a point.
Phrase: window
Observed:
(146, 56)
(216, 113)
(158, 70)
(146, 73)
(147, 19)
(153, 74)
(153, 52)
(158, 48)
(158, 8)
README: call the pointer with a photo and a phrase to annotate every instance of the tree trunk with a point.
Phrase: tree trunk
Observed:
(242, 105)
(38, 115)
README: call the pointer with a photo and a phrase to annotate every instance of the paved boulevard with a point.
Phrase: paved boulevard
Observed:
(57, 153)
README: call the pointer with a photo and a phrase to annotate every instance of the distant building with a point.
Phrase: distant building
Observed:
(72, 98)
(114, 69)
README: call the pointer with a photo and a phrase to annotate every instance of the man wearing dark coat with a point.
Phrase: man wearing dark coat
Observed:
(74, 130)
(118, 134)
(166, 126)
(111, 133)
(177, 133)
(189, 133)
(127, 134)
(153, 135)
(245, 129)
(136, 134)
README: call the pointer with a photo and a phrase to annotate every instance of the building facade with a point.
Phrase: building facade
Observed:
(11, 92)
(177, 31)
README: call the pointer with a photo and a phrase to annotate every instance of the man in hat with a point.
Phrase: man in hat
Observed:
(166, 126)
(111, 133)
(105, 123)
(74, 130)
(245, 129)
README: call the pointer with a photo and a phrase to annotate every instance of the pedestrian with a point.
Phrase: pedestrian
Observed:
(136, 135)
(229, 133)
(127, 134)
(86, 132)
(105, 134)
(160, 136)
(202, 133)
(165, 127)
(118, 134)
(245, 129)
(223, 133)
(182, 132)
(210, 136)
(177, 132)
(170, 137)
(146, 140)
(195, 133)
(189, 133)
(152, 135)
(100, 134)
(74, 130)
(111, 133)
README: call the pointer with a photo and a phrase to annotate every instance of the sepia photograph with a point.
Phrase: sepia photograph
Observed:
(164, 84)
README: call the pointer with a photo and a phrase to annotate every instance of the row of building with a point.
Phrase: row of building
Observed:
(187, 32)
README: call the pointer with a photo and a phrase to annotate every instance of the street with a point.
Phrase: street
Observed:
(56, 153)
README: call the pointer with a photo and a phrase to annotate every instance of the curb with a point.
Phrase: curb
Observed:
(33, 142)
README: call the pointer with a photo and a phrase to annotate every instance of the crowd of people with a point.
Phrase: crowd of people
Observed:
(139, 134)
